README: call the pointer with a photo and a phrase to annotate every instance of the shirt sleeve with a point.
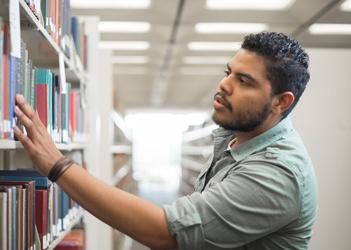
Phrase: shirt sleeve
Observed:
(254, 200)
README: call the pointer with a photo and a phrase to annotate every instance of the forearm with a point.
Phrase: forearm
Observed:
(129, 214)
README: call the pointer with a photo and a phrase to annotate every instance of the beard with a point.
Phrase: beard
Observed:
(244, 121)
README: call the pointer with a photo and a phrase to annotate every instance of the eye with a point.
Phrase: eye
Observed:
(244, 81)
(226, 72)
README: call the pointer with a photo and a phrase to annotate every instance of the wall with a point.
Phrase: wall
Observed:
(323, 118)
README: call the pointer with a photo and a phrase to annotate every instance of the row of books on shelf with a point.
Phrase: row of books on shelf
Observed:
(59, 107)
(33, 211)
(56, 18)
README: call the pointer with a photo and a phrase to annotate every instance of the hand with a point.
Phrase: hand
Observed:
(37, 142)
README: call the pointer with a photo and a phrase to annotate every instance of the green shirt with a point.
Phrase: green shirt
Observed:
(260, 195)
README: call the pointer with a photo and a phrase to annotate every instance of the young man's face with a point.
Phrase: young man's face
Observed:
(243, 99)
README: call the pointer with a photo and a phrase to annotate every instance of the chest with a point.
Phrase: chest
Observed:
(214, 171)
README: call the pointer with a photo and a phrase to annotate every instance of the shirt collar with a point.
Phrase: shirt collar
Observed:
(263, 140)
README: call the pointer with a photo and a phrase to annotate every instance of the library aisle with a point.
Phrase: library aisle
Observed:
(158, 192)
(126, 90)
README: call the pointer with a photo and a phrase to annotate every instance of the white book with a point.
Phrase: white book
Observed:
(3, 216)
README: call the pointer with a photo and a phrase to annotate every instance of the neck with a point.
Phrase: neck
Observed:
(242, 137)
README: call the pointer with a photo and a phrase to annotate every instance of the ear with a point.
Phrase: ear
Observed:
(282, 102)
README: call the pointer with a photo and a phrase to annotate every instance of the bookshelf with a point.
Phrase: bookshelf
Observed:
(76, 220)
(6, 144)
(197, 147)
(45, 48)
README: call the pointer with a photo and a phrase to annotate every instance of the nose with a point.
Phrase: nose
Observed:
(225, 85)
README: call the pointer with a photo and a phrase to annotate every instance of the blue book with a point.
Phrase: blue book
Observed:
(41, 182)
(12, 86)
(75, 33)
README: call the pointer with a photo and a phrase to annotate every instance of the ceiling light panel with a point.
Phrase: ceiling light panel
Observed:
(124, 27)
(129, 59)
(346, 6)
(217, 46)
(231, 28)
(330, 29)
(205, 60)
(125, 45)
(111, 4)
(249, 4)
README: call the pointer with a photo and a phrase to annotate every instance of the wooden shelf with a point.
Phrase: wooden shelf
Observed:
(12, 145)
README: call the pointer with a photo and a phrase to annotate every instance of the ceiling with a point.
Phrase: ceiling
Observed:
(165, 81)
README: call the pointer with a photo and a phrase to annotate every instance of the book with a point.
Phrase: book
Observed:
(3, 215)
(1, 76)
(41, 182)
(25, 212)
(72, 241)
(41, 215)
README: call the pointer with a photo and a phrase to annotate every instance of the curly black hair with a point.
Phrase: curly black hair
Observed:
(285, 60)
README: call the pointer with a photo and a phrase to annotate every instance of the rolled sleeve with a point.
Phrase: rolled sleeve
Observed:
(248, 204)
(184, 221)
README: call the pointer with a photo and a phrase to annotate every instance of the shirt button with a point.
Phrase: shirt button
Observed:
(271, 155)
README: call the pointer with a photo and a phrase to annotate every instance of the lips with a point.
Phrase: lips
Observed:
(219, 102)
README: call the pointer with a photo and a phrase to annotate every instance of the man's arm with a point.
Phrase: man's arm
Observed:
(129, 214)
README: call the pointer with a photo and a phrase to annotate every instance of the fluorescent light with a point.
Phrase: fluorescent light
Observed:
(249, 4)
(130, 59)
(205, 60)
(214, 46)
(230, 27)
(346, 6)
(126, 27)
(125, 45)
(330, 29)
(111, 4)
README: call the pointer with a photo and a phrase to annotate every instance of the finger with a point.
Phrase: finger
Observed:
(26, 142)
(28, 110)
(29, 125)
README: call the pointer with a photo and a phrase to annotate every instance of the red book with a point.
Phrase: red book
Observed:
(41, 214)
(72, 241)
(42, 102)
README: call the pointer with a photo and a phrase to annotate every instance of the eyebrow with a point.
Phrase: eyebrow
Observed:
(248, 76)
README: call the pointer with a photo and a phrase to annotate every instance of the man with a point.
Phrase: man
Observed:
(259, 190)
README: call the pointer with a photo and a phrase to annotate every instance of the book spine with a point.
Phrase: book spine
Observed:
(12, 89)
(40, 182)
(3, 222)
(41, 215)
(1, 76)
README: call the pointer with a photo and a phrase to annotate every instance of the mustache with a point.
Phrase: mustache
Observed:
(223, 100)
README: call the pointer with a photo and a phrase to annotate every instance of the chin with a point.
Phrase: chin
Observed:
(220, 120)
